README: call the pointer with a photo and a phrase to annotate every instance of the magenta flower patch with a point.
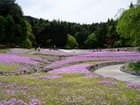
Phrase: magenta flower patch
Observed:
(7, 58)
(121, 56)
(81, 68)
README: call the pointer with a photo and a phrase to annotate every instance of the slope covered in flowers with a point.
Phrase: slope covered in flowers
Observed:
(121, 56)
(9, 58)
(68, 82)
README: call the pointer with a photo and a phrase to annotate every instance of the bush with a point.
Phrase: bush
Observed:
(134, 66)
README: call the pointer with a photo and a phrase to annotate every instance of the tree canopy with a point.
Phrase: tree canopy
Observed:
(92, 41)
(129, 25)
(26, 31)
(14, 28)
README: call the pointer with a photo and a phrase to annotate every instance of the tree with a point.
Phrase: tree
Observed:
(3, 24)
(10, 30)
(91, 41)
(131, 5)
(7, 1)
(9, 7)
(112, 37)
(71, 42)
(129, 26)
(101, 31)
(81, 37)
(25, 34)
(14, 29)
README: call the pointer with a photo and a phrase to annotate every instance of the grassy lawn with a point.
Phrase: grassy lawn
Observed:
(72, 89)
(134, 66)
(9, 67)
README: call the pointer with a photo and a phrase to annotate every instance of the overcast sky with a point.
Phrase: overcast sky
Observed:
(80, 11)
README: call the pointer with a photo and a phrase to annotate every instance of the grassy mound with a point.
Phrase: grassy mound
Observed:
(134, 66)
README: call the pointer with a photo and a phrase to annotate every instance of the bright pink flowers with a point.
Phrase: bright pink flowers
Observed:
(121, 56)
(7, 58)
(81, 68)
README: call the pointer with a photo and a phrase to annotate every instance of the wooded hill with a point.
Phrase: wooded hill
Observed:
(26, 31)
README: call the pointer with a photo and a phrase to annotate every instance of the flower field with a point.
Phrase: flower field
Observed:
(68, 80)
(7, 58)
(120, 56)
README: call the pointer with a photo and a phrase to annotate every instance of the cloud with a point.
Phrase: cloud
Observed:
(83, 11)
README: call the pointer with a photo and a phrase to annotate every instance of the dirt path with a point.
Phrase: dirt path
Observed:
(113, 71)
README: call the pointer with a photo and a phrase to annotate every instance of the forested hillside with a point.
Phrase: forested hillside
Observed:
(17, 30)
(55, 33)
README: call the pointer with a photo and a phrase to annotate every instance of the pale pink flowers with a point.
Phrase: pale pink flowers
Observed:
(7, 58)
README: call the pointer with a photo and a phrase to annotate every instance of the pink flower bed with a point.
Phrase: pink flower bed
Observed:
(121, 56)
(7, 58)
(112, 53)
(81, 68)
(68, 60)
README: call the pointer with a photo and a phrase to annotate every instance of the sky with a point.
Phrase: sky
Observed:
(79, 11)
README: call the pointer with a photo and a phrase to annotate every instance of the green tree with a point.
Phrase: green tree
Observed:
(9, 7)
(25, 34)
(26, 44)
(71, 42)
(131, 5)
(81, 37)
(92, 41)
(112, 37)
(3, 24)
(101, 31)
(10, 30)
(14, 29)
(129, 26)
